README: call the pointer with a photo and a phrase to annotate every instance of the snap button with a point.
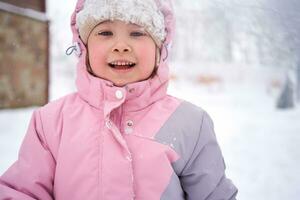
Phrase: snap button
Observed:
(129, 123)
(131, 90)
(128, 128)
(119, 94)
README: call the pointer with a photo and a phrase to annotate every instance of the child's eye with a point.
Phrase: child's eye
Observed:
(105, 33)
(137, 34)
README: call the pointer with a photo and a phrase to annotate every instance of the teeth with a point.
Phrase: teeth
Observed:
(121, 63)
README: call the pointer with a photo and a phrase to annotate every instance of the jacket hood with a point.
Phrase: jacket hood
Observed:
(95, 90)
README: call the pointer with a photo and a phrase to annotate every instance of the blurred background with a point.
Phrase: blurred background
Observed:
(237, 59)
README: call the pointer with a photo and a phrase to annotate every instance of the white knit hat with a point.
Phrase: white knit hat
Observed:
(144, 13)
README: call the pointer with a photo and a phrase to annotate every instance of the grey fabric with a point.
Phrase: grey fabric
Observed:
(200, 168)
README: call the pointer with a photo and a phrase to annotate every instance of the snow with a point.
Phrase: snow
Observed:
(260, 143)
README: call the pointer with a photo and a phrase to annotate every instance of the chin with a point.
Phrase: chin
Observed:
(118, 84)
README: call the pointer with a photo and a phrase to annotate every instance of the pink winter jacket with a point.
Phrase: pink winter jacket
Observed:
(110, 143)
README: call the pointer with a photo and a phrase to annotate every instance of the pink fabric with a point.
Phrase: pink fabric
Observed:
(75, 148)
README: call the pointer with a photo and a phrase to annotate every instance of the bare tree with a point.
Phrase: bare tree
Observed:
(287, 15)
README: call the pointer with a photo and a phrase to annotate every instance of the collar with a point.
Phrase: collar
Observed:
(102, 94)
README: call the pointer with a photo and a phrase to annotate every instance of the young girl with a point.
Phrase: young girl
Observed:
(120, 137)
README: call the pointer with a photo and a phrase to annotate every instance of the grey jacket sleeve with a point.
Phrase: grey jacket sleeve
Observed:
(203, 177)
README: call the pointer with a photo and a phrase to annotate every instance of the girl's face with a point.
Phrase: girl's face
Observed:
(121, 53)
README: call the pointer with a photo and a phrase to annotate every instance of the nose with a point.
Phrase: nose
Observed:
(121, 47)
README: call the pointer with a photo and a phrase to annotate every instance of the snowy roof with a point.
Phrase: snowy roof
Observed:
(23, 11)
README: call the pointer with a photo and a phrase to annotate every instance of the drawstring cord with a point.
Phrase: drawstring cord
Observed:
(74, 48)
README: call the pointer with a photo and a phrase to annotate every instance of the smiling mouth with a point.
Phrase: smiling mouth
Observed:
(122, 65)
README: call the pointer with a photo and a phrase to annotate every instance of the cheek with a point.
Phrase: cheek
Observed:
(147, 54)
(95, 55)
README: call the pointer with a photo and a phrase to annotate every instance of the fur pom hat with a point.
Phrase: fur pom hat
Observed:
(144, 13)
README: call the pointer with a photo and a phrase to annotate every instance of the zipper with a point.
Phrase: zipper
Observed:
(128, 156)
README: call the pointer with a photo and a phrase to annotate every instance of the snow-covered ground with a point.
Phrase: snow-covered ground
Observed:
(260, 143)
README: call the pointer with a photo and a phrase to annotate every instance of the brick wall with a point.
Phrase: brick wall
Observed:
(24, 50)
